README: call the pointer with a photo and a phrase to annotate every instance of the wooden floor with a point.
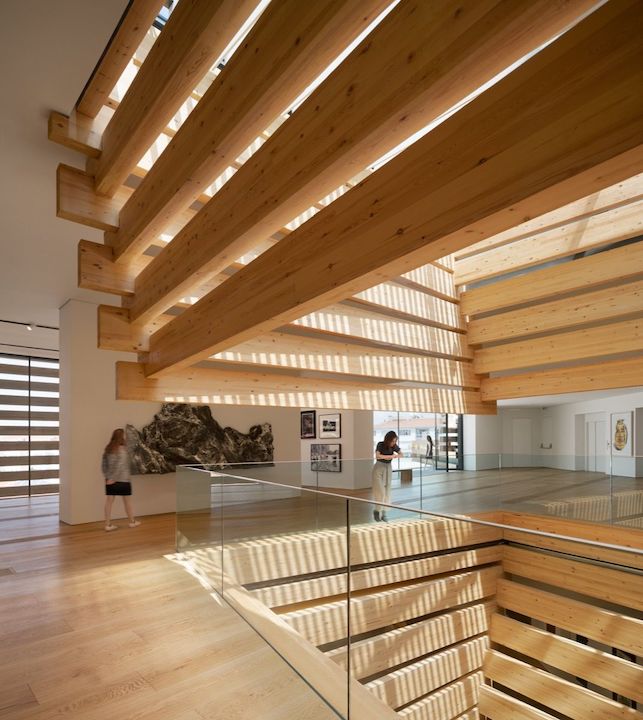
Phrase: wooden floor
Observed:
(100, 625)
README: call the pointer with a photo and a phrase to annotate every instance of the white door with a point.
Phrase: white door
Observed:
(596, 445)
(522, 442)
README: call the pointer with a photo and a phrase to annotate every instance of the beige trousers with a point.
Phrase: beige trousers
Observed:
(382, 476)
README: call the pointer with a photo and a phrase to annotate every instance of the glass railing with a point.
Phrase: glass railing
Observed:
(558, 485)
(382, 607)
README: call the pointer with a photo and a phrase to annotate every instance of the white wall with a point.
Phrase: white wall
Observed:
(557, 435)
(89, 413)
(357, 451)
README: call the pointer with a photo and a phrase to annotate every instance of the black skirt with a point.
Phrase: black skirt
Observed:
(118, 488)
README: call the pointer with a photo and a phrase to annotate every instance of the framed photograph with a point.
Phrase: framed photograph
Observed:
(621, 434)
(326, 457)
(307, 424)
(330, 426)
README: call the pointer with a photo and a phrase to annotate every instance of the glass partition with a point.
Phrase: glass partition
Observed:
(385, 608)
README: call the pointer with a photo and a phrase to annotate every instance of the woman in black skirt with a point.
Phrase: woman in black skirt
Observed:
(115, 466)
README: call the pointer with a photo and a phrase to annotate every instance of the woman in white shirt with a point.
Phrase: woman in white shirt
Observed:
(115, 467)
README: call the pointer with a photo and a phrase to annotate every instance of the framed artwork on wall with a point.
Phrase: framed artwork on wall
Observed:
(307, 424)
(326, 457)
(621, 434)
(330, 426)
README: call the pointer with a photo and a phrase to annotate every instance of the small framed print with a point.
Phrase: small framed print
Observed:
(307, 424)
(326, 457)
(330, 426)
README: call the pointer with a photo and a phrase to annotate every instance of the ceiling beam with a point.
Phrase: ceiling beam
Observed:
(518, 146)
(193, 38)
(622, 193)
(129, 34)
(586, 344)
(97, 271)
(622, 223)
(290, 45)
(299, 352)
(420, 61)
(204, 385)
(612, 375)
(347, 321)
(431, 279)
(611, 266)
(411, 304)
(583, 309)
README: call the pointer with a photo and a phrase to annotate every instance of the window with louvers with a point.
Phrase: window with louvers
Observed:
(29, 425)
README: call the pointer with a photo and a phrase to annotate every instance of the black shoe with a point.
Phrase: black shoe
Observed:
(376, 515)
(383, 517)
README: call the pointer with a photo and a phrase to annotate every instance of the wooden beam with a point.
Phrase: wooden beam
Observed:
(584, 530)
(98, 271)
(76, 133)
(202, 385)
(378, 654)
(449, 702)
(346, 321)
(584, 309)
(560, 695)
(411, 682)
(298, 352)
(76, 200)
(192, 39)
(598, 668)
(621, 223)
(433, 280)
(586, 344)
(327, 623)
(616, 586)
(604, 626)
(290, 45)
(495, 705)
(432, 55)
(412, 304)
(611, 266)
(403, 212)
(116, 333)
(581, 378)
(622, 193)
(129, 34)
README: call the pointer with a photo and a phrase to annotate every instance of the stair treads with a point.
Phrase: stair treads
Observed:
(396, 647)
(333, 585)
(297, 554)
(449, 702)
(611, 585)
(327, 623)
(560, 695)
(409, 683)
(604, 626)
(599, 668)
(495, 705)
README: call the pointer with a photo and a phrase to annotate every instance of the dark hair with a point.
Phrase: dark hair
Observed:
(390, 435)
(117, 440)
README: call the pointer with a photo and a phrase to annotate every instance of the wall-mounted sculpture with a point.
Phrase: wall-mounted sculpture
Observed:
(187, 434)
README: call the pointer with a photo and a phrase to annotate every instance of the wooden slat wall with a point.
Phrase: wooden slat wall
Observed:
(565, 619)
(401, 572)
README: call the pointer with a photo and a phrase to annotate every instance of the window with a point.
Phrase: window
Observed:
(29, 425)
(442, 452)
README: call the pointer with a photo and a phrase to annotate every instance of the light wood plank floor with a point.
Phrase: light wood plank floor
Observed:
(100, 625)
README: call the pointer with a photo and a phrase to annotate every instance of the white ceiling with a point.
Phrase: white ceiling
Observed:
(47, 52)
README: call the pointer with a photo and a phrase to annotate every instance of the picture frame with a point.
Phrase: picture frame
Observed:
(326, 457)
(307, 424)
(621, 433)
(330, 426)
